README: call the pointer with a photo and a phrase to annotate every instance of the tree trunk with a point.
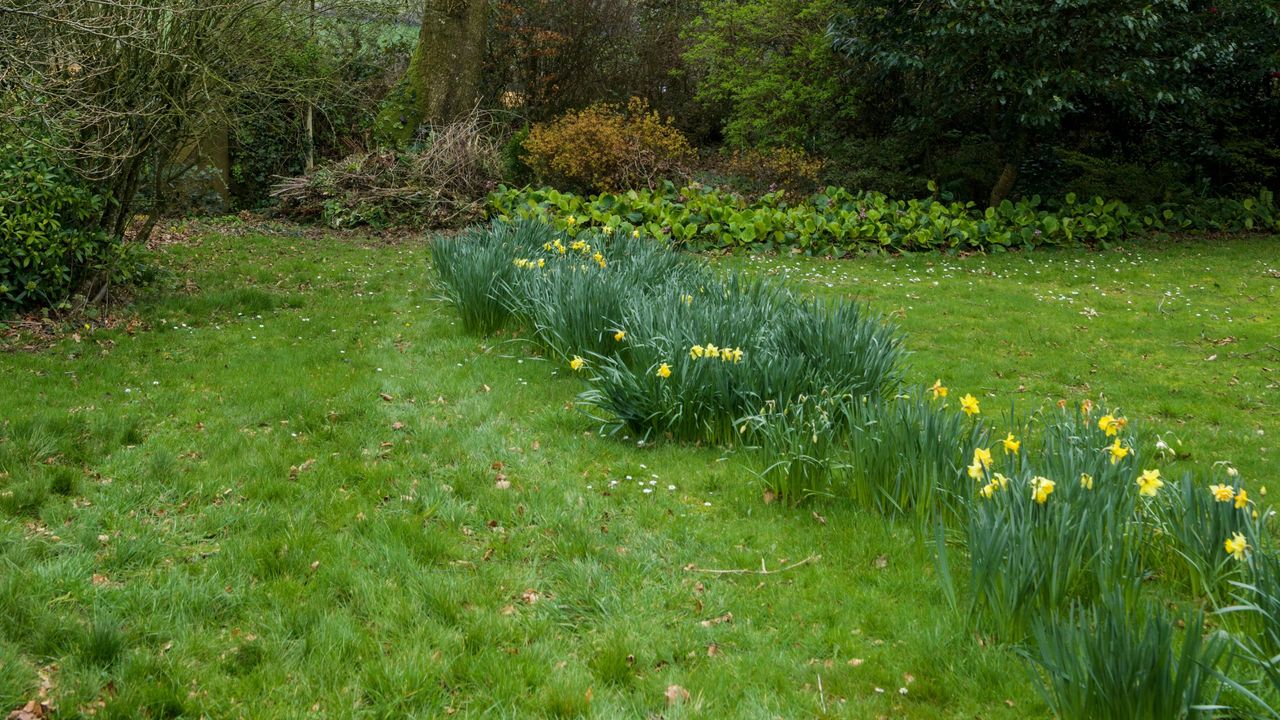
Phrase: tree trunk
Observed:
(1004, 184)
(443, 79)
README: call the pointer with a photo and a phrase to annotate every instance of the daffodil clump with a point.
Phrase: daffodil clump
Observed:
(1075, 512)
(630, 317)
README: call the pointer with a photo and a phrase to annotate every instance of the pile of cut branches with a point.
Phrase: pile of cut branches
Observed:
(441, 182)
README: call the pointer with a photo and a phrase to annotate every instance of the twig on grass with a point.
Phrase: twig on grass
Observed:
(762, 571)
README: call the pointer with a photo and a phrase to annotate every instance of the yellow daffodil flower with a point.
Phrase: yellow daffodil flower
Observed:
(1111, 424)
(541, 263)
(618, 336)
(696, 352)
(989, 489)
(571, 220)
(1118, 452)
(982, 455)
(999, 479)
(635, 233)
(664, 371)
(975, 470)
(712, 350)
(1236, 546)
(1011, 445)
(1222, 493)
(969, 404)
(1086, 481)
(599, 260)
(939, 390)
(1149, 483)
(608, 229)
(1242, 499)
(1041, 489)
(577, 363)
(688, 299)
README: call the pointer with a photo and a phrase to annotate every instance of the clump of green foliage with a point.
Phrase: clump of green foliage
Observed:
(50, 244)
(838, 222)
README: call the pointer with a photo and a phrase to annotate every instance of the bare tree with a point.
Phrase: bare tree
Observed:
(125, 90)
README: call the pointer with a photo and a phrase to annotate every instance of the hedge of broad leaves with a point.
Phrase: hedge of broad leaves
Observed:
(838, 222)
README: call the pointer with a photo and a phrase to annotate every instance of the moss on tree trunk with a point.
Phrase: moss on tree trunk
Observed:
(443, 79)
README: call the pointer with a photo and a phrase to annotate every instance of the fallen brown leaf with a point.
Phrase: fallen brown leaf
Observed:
(676, 694)
(725, 618)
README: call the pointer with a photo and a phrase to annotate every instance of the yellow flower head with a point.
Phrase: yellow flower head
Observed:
(578, 246)
(726, 354)
(939, 390)
(618, 336)
(1222, 493)
(664, 371)
(571, 220)
(635, 233)
(1086, 407)
(989, 489)
(1236, 546)
(712, 350)
(1041, 489)
(1118, 451)
(1242, 499)
(1011, 445)
(1149, 483)
(983, 456)
(599, 260)
(608, 229)
(541, 263)
(999, 479)
(975, 470)
(1112, 424)
(688, 299)
(969, 404)
(737, 354)
(696, 352)
(577, 363)
(1086, 481)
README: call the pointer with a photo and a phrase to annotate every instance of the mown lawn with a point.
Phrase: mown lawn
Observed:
(299, 490)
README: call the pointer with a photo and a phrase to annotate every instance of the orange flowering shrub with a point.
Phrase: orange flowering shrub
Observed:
(608, 148)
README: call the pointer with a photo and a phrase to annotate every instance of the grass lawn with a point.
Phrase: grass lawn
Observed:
(299, 490)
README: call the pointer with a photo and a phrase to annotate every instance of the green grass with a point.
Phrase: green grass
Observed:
(280, 498)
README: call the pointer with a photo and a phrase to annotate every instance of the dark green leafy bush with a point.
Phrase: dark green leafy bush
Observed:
(49, 246)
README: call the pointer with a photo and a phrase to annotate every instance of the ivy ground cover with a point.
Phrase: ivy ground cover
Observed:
(302, 490)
